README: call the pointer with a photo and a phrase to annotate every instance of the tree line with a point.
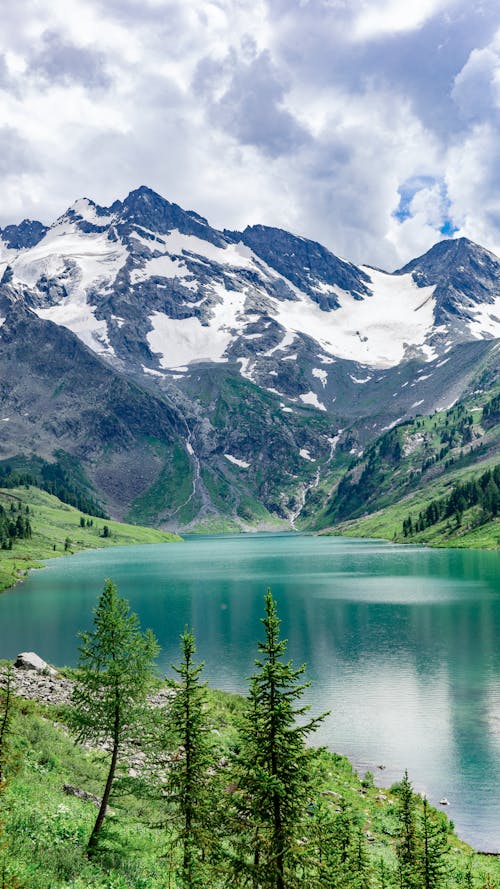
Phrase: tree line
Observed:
(482, 492)
(14, 525)
(55, 479)
(257, 818)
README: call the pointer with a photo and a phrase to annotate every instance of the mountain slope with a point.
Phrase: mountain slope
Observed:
(227, 373)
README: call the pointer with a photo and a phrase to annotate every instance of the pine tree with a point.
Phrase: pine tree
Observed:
(189, 781)
(116, 668)
(274, 769)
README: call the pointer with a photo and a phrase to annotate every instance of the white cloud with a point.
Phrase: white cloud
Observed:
(386, 17)
(308, 116)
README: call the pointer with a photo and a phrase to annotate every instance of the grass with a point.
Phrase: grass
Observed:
(387, 522)
(172, 487)
(53, 523)
(45, 830)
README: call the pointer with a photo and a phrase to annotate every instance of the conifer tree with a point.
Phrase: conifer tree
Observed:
(116, 668)
(434, 846)
(406, 847)
(274, 768)
(360, 865)
(189, 775)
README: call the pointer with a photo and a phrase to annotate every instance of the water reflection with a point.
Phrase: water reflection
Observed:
(401, 643)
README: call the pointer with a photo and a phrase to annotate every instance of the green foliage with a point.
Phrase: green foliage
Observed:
(274, 768)
(482, 492)
(434, 846)
(116, 671)
(242, 800)
(190, 780)
(406, 846)
(63, 478)
(6, 716)
(50, 523)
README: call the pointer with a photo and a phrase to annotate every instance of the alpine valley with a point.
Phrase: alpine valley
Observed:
(191, 378)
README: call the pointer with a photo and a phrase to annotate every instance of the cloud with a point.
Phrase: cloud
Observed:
(377, 19)
(60, 61)
(15, 153)
(367, 125)
(251, 107)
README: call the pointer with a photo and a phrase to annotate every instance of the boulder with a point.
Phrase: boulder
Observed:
(28, 660)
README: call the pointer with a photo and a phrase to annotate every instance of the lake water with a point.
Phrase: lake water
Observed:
(401, 643)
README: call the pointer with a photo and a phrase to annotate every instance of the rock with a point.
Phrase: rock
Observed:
(28, 660)
(82, 794)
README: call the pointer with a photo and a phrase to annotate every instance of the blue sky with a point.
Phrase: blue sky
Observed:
(368, 125)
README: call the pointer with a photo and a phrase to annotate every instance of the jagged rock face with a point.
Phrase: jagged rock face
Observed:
(256, 353)
(466, 281)
(27, 234)
(150, 285)
(55, 394)
(306, 264)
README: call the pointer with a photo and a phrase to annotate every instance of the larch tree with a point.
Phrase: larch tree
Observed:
(115, 674)
(6, 715)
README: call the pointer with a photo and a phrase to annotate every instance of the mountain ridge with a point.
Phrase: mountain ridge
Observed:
(207, 323)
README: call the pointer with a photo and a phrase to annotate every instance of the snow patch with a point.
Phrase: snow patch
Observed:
(87, 210)
(183, 340)
(241, 463)
(376, 330)
(304, 453)
(320, 375)
(356, 380)
(159, 267)
(312, 399)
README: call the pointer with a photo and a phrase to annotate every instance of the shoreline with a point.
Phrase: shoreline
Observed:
(55, 691)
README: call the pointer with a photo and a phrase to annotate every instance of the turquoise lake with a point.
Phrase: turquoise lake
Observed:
(401, 643)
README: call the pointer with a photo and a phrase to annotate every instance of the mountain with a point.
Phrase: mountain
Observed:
(257, 363)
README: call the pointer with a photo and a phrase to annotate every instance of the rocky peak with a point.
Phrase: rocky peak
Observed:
(145, 208)
(458, 267)
(309, 265)
(27, 234)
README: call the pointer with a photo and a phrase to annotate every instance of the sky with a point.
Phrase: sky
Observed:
(372, 126)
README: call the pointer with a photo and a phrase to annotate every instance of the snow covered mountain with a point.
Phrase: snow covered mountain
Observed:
(158, 294)
(147, 282)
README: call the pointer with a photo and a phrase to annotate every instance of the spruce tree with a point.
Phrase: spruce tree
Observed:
(274, 769)
(189, 779)
(406, 847)
(109, 696)
(434, 845)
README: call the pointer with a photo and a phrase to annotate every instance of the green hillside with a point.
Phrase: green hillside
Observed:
(45, 829)
(400, 487)
(57, 529)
